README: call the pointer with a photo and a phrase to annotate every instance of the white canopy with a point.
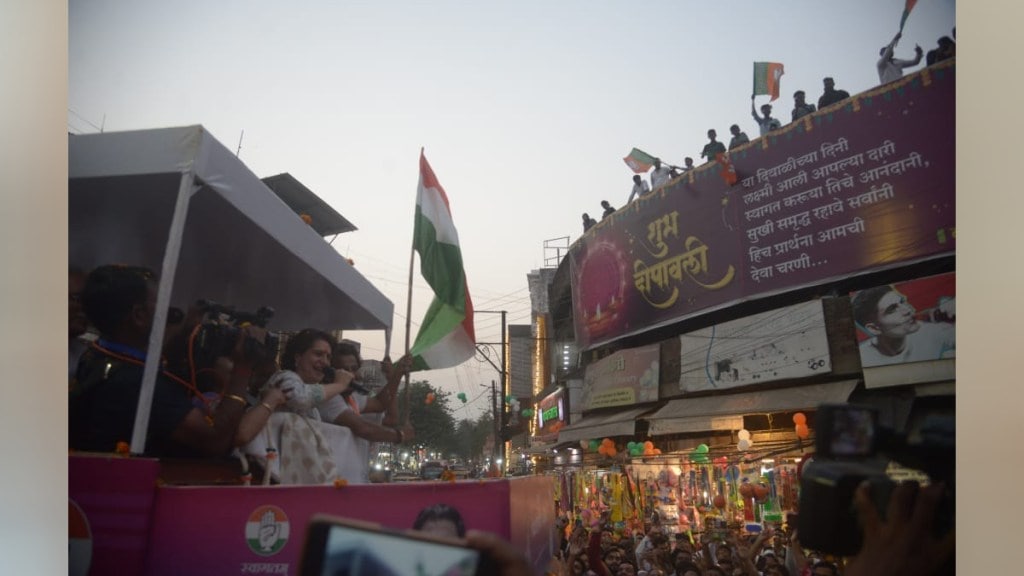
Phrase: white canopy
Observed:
(240, 245)
(177, 201)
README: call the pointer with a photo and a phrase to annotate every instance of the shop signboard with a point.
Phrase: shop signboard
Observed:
(912, 321)
(624, 378)
(551, 414)
(849, 190)
(790, 342)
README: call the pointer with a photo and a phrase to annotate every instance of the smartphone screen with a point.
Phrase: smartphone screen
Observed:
(853, 432)
(341, 548)
(846, 431)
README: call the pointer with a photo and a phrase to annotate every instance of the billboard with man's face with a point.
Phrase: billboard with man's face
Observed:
(911, 321)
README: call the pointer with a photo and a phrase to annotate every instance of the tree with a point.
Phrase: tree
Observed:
(433, 421)
(472, 437)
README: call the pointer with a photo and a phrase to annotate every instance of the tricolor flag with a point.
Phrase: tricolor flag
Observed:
(906, 12)
(767, 76)
(728, 171)
(446, 337)
(639, 161)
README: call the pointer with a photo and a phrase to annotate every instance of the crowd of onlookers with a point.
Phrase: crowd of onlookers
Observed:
(889, 68)
(656, 551)
(902, 542)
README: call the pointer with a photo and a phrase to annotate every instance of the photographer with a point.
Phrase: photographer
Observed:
(120, 301)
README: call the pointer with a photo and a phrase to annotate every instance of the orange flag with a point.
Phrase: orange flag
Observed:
(728, 172)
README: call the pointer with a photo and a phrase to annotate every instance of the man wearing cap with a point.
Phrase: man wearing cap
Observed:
(831, 95)
(800, 107)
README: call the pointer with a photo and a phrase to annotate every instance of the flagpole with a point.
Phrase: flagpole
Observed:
(408, 308)
(408, 328)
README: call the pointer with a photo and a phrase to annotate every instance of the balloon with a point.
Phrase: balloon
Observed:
(799, 418)
(657, 451)
(607, 442)
(760, 492)
(611, 451)
(508, 399)
(802, 431)
(584, 444)
(631, 445)
(702, 449)
(744, 444)
(744, 434)
(719, 502)
(648, 444)
(721, 461)
(594, 445)
(732, 473)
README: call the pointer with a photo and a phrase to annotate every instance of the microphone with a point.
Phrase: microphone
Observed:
(353, 386)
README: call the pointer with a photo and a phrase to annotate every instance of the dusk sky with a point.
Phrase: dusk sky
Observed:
(525, 109)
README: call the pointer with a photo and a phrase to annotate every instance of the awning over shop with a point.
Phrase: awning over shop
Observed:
(621, 423)
(725, 412)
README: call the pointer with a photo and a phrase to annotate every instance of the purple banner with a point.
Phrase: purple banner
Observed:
(865, 186)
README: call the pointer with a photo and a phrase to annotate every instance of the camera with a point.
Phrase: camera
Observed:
(851, 447)
(218, 333)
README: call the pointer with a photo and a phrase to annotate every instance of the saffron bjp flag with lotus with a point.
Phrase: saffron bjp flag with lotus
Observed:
(446, 337)
(767, 77)
(639, 161)
(727, 170)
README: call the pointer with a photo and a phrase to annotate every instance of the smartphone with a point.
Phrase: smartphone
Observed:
(344, 547)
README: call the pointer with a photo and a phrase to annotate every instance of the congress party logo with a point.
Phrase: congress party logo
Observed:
(267, 530)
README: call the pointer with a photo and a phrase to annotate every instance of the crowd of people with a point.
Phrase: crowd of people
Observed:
(902, 542)
(215, 409)
(657, 551)
(889, 68)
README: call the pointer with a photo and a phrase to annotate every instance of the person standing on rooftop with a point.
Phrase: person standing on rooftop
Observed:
(639, 188)
(891, 69)
(800, 106)
(831, 95)
(712, 148)
(767, 123)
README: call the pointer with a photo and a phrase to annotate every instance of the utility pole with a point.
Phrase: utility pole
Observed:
(499, 405)
(497, 426)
